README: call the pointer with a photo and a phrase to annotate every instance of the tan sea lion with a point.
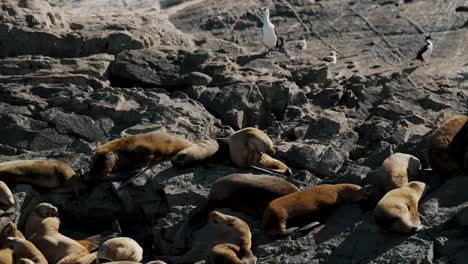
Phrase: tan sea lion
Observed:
(447, 147)
(133, 152)
(398, 212)
(22, 248)
(42, 211)
(7, 199)
(6, 253)
(88, 259)
(250, 147)
(286, 214)
(195, 154)
(234, 247)
(46, 174)
(247, 193)
(396, 171)
(56, 247)
(120, 249)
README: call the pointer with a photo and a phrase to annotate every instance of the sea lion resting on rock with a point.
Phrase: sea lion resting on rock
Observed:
(447, 147)
(250, 147)
(133, 152)
(247, 193)
(22, 248)
(396, 171)
(283, 216)
(6, 197)
(234, 247)
(56, 247)
(6, 253)
(47, 174)
(119, 249)
(195, 154)
(46, 210)
(398, 212)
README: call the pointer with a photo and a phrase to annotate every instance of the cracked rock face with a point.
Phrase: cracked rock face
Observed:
(77, 74)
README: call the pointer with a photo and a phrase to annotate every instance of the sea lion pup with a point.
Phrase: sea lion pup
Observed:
(7, 199)
(286, 214)
(234, 247)
(22, 248)
(396, 171)
(133, 152)
(250, 147)
(398, 212)
(119, 249)
(46, 174)
(446, 149)
(247, 193)
(56, 247)
(195, 154)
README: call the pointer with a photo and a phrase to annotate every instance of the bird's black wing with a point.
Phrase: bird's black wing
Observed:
(421, 51)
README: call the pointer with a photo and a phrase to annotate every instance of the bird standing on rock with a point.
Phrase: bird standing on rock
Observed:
(330, 59)
(425, 52)
(270, 37)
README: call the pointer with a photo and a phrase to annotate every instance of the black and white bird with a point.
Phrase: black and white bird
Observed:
(299, 45)
(330, 59)
(425, 52)
(270, 37)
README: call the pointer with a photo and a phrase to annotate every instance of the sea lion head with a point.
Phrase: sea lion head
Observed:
(352, 192)
(11, 230)
(228, 225)
(45, 210)
(102, 165)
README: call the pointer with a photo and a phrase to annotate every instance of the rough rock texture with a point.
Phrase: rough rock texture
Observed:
(73, 77)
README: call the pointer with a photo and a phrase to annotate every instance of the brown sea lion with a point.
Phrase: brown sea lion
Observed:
(286, 214)
(195, 154)
(247, 193)
(6, 253)
(22, 248)
(398, 212)
(7, 199)
(133, 152)
(396, 171)
(42, 211)
(46, 174)
(120, 249)
(447, 147)
(88, 259)
(234, 247)
(250, 147)
(56, 247)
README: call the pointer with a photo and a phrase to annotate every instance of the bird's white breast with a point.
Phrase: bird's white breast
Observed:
(269, 36)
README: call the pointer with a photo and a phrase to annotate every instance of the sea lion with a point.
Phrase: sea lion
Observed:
(22, 248)
(234, 247)
(247, 193)
(42, 211)
(46, 174)
(120, 249)
(6, 253)
(398, 212)
(88, 259)
(133, 152)
(56, 247)
(7, 199)
(285, 215)
(250, 147)
(195, 154)
(396, 171)
(447, 147)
